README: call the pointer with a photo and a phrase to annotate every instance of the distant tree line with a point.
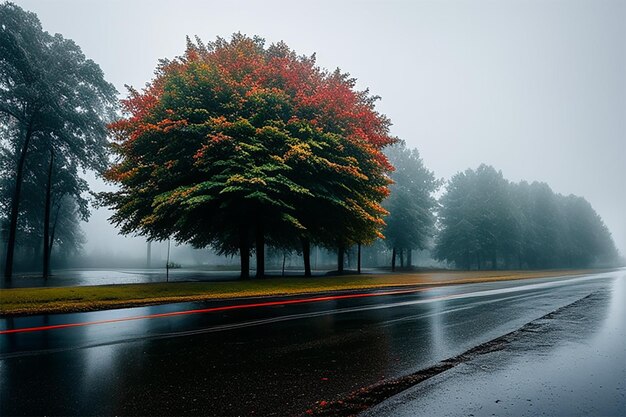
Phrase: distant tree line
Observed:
(487, 222)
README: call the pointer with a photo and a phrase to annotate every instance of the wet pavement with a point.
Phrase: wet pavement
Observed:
(273, 360)
(75, 277)
(570, 363)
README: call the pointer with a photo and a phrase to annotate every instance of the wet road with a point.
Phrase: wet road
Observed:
(269, 360)
(576, 368)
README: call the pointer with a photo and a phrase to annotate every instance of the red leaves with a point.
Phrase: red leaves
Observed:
(217, 138)
(324, 99)
(138, 105)
(216, 105)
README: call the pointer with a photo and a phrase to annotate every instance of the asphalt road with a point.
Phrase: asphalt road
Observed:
(266, 360)
(577, 367)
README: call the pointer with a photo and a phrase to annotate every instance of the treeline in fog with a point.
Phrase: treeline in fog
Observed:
(487, 222)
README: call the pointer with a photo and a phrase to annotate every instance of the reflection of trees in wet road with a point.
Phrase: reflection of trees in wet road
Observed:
(301, 354)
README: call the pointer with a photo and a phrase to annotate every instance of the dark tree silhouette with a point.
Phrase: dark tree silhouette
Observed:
(411, 204)
(487, 222)
(49, 93)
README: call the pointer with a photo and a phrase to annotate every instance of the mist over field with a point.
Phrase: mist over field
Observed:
(535, 89)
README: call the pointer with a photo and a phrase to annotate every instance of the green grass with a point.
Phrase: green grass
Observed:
(21, 301)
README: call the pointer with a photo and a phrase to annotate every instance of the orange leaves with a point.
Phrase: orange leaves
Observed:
(200, 153)
(220, 122)
(214, 140)
(166, 125)
(217, 138)
(244, 69)
(260, 122)
(350, 170)
(383, 191)
(139, 104)
(117, 173)
(300, 151)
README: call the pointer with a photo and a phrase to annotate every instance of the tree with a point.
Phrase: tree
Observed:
(546, 226)
(64, 194)
(238, 146)
(457, 239)
(478, 224)
(49, 92)
(411, 204)
(582, 238)
(486, 221)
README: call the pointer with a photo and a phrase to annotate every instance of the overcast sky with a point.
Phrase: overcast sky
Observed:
(534, 88)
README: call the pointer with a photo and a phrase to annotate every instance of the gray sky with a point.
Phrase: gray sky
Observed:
(535, 88)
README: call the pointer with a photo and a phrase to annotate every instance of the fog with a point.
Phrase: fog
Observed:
(534, 88)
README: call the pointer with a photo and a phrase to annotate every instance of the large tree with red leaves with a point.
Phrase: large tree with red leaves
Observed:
(236, 145)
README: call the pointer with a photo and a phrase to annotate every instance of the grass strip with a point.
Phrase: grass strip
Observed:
(43, 300)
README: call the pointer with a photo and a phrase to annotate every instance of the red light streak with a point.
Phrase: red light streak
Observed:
(210, 310)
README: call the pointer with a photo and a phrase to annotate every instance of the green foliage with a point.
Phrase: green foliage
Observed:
(52, 90)
(53, 101)
(235, 144)
(411, 204)
(488, 222)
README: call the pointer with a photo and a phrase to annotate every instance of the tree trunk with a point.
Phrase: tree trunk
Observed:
(149, 255)
(358, 259)
(306, 256)
(46, 220)
(409, 258)
(393, 260)
(54, 228)
(167, 262)
(401, 258)
(478, 260)
(260, 250)
(15, 204)
(284, 260)
(494, 261)
(340, 253)
(244, 253)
